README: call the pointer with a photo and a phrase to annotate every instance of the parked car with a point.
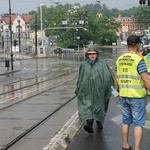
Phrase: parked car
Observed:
(58, 50)
(124, 43)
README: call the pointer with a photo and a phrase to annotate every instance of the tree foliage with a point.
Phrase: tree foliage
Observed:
(101, 30)
(32, 12)
(142, 14)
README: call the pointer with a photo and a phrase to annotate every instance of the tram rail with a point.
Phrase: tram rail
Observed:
(35, 88)
(60, 80)
(29, 130)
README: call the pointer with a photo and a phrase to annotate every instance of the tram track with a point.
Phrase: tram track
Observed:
(36, 88)
(62, 79)
(12, 140)
(15, 84)
(32, 128)
(7, 86)
(17, 90)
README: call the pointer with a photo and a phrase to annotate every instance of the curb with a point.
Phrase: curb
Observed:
(61, 140)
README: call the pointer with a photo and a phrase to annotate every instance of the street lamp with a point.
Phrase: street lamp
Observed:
(10, 28)
(35, 34)
(78, 38)
(41, 4)
(19, 35)
(1, 28)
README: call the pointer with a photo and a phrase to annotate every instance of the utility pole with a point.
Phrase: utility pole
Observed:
(10, 28)
(41, 18)
(19, 36)
(35, 34)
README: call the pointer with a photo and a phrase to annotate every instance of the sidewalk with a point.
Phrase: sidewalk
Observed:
(107, 139)
(110, 137)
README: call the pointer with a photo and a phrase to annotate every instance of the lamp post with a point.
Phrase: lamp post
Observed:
(1, 27)
(10, 28)
(41, 4)
(35, 34)
(78, 38)
(19, 35)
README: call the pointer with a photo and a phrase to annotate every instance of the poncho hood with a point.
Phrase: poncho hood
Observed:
(91, 48)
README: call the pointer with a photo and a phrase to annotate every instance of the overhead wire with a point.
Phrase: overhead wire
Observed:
(52, 2)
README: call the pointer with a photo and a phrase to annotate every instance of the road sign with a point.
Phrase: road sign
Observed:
(6, 34)
(6, 39)
(124, 28)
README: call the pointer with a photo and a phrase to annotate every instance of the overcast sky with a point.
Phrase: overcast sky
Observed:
(24, 6)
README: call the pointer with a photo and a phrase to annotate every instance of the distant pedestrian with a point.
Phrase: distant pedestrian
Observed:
(93, 90)
(145, 54)
(131, 82)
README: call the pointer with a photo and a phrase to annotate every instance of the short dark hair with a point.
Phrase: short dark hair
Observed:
(133, 40)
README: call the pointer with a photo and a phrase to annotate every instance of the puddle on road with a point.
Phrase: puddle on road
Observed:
(57, 68)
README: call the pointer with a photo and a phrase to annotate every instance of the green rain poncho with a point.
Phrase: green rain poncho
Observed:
(94, 90)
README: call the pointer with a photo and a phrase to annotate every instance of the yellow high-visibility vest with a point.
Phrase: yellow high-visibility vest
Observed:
(130, 83)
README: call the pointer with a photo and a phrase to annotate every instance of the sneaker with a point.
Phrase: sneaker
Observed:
(88, 129)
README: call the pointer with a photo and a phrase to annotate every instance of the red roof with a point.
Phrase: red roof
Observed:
(26, 18)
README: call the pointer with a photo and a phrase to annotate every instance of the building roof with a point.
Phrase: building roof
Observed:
(26, 18)
(7, 19)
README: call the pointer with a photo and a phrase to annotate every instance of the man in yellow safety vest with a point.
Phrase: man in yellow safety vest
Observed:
(131, 81)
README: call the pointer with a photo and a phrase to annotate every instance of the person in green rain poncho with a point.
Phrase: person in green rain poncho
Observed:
(93, 90)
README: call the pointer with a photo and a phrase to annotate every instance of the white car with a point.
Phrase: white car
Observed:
(124, 43)
(28, 42)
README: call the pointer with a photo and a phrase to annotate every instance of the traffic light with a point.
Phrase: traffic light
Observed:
(142, 2)
(15, 42)
(148, 2)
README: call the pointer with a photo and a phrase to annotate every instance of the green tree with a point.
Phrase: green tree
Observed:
(142, 14)
(128, 12)
(32, 12)
(101, 30)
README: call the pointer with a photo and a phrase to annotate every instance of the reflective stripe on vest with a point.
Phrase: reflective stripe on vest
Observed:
(129, 76)
(131, 86)
(130, 83)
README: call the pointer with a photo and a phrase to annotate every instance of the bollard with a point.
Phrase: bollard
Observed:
(7, 64)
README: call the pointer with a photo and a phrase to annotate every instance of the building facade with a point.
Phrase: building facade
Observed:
(19, 23)
(129, 25)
